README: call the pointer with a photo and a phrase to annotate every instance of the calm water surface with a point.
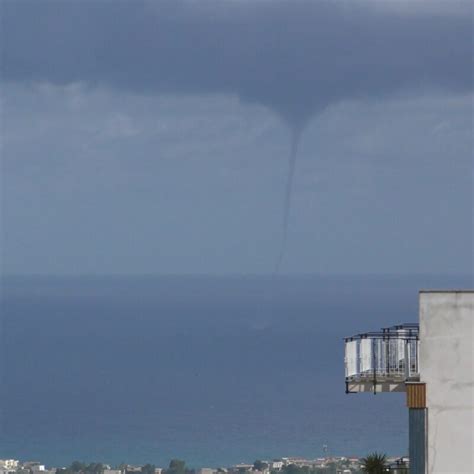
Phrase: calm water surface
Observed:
(211, 370)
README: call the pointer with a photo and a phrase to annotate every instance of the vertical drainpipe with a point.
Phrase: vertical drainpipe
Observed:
(417, 432)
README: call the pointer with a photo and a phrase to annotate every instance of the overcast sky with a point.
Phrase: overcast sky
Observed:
(153, 136)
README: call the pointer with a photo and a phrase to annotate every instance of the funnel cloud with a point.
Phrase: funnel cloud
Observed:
(295, 140)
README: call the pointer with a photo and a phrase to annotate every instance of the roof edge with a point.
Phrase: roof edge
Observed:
(446, 291)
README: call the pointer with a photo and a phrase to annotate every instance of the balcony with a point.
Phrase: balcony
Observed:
(382, 361)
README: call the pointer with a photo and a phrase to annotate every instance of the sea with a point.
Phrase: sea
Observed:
(211, 370)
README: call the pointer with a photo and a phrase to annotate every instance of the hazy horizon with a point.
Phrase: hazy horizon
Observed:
(269, 275)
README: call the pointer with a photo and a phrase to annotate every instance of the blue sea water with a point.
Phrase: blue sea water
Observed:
(213, 370)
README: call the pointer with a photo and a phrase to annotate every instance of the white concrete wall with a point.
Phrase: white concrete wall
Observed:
(447, 368)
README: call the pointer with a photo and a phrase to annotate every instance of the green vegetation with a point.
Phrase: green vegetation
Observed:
(259, 465)
(177, 466)
(374, 463)
(83, 468)
(148, 469)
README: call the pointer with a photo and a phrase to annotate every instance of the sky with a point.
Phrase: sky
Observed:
(154, 136)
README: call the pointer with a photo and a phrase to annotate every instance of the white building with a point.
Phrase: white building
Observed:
(447, 370)
(276, 465)
(9, 464)
(37, 468)
(205, 470)
(432, 362)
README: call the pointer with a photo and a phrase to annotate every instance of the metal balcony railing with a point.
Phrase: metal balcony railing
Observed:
(386, 356)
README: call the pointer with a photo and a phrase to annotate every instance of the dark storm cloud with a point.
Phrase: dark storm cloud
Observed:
(295, 57)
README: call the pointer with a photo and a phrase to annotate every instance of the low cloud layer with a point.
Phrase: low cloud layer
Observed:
(296, 57)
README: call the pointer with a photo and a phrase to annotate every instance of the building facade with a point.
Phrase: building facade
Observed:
(447, 370)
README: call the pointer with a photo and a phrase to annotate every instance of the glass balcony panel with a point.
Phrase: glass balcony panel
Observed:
(386, 357)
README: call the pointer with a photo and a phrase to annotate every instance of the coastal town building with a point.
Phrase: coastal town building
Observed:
(342, 464)
(275, 465)
(9, 464)
(37, 468)
(205, 470)
(433, 362)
